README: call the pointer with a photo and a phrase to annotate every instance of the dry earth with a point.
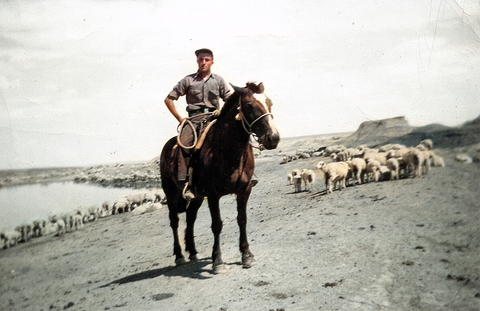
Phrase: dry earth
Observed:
(411, 244)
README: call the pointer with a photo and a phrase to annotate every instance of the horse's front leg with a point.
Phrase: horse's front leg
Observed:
(189, 231)
(213, 204)
(177, 249)
(247, 257)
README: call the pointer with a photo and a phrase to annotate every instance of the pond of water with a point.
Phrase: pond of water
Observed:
(29, 202)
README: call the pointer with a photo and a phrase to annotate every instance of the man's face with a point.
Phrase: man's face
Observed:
(205, 62)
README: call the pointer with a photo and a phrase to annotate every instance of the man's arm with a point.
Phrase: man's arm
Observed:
(171, 107)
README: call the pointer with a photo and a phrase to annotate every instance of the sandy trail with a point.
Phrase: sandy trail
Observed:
(401, 245)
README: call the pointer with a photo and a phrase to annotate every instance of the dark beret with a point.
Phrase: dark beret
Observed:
(208, 51)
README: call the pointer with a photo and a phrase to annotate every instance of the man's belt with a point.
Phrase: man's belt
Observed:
(202, 110)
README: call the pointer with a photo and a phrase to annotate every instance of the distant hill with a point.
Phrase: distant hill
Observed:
(442, 136)
(385, 131)
(378, 131)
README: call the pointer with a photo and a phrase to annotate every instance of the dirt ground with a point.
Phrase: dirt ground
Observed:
(411, 244)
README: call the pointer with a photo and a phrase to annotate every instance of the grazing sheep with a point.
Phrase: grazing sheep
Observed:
(25, 231)
(297, 183)
(136, 199)
(384, 172)
(38, 228)
(11, 238)
(120, 206)
(308, 178)
(333, 150)
(93, 213)
(341, 157)
(437, 161)
(358, 167)
(77, 222)
(61, 227)
(428, 143)
(145, 208)
(106, 210)
(67, 220)
(291, 176)
(333, 173)
(427, 156)
(414, 161)
(381, 157)
(373, 170)
(394, 168)
(295, 172)
(463, 158)
(289, 179)
(50, 228)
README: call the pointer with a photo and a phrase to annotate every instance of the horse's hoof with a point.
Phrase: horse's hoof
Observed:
(219, 269)
(248, 261)
(180, 261)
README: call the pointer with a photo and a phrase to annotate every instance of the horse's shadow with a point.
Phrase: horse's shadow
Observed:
(194, 270)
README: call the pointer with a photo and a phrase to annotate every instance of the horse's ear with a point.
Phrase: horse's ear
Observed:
(256, 88)
(236, 88)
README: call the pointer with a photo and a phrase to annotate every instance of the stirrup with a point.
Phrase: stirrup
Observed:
(254, 180)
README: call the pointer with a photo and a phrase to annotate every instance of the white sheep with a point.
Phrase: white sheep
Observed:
(120, 206)
(291, 175)
(333, 173)
(428, 143)
(106, 209)
(308, 178)
(381, 157)
(414, 161)
(358, 167)
(373, 169)
(463, 158)
(384, 172)
(437, 161)
(134, 200)
(61, 227)
(77, 222)
(11, 238)
(50, 228)
(145, 208)
(394, 168)
(297, 183)
(289, 179)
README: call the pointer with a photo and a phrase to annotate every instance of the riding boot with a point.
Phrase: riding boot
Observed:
(187, 191)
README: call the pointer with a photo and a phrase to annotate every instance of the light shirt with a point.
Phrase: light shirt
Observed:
(202, 93)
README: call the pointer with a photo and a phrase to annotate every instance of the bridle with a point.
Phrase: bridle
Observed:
(246, 125)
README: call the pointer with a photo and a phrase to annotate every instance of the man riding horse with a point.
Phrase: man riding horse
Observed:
(203, 91)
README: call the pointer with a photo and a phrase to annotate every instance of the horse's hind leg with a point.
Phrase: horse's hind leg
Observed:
(247, 257)
(177, 249)
(217, 224)
(189, 231)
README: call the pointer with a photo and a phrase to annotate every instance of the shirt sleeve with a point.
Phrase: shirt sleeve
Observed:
(225, 90)
(178, 90)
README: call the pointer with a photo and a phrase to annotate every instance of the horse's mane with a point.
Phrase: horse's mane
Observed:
(230, 104)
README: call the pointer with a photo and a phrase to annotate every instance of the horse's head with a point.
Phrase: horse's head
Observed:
(256, 116)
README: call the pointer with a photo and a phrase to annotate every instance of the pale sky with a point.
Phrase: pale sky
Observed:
(83, 82)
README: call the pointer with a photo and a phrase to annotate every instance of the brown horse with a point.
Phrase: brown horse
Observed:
(223, 165)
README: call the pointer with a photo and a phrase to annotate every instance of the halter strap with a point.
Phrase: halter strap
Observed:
(249, 129)
(248, 126)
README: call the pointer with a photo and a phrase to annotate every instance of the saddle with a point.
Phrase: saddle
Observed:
(191, 136)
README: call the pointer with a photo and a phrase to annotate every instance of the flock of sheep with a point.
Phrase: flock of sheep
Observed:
(363, 164)
(138, 203)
